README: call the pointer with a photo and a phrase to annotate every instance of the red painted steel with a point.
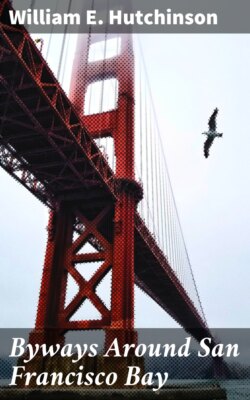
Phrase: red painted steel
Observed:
(118, 252)
(45, 146)
(119, 124)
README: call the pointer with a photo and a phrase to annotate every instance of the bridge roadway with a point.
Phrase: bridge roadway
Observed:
(44, 146)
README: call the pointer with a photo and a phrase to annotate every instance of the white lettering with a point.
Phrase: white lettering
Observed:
(114, 348)
(16, 375)
(91, 17)
(133, 377)
(18, 344)
(17, 17)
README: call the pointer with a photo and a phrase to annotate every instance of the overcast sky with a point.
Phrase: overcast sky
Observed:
(190, 75)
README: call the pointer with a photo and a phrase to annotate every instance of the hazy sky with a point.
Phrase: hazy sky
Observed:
(194, 75)
(190, 75)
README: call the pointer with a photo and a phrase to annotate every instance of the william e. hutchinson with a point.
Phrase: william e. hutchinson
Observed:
(115, 17)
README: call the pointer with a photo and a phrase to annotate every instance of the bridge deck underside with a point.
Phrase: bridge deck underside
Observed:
(44, 145)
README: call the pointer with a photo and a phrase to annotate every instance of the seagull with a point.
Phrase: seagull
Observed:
(211, 134)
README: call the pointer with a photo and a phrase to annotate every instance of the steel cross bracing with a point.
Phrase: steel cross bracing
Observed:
(46, 147)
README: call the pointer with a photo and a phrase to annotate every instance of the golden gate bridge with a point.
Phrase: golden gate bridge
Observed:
(95, 158)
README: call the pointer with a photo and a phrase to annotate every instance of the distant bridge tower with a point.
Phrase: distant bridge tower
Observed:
(106, 223)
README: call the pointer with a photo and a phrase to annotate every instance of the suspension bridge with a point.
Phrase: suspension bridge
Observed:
(92, 153)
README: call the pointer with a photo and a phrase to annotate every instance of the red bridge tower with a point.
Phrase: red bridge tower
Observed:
(107, 223)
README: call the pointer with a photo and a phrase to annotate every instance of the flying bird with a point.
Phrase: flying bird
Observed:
(212, 133)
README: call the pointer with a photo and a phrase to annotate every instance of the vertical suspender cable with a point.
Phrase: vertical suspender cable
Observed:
(63, 43)
(51, 33)
(146, 152)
